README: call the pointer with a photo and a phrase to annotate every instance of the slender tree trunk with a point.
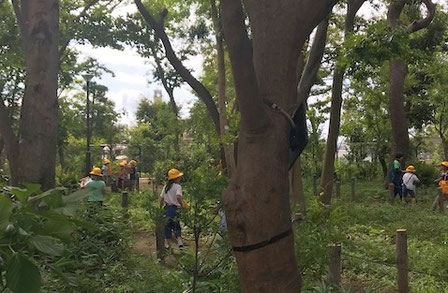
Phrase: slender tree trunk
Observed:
(223, 121)
(326, 183)
(62, 156)
(383, 163)
(34, 156)
(256, 201)
(445, 149)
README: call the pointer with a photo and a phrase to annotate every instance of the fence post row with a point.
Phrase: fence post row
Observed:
(402, 261)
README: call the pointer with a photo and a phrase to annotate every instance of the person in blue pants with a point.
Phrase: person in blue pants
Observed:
(171, 201)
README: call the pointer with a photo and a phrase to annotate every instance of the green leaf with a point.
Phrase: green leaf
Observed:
(22, 276)
(6, 207)
(19, 193)
(54, 194)
(47, 244)
(32, 188)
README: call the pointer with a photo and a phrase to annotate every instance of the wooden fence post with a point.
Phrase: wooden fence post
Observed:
(315, 185)
(391, 191)
(124, 199)
(353, 188)
(334, 276)
(402, 261)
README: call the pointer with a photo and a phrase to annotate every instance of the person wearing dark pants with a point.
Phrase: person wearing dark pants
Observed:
(171, 201)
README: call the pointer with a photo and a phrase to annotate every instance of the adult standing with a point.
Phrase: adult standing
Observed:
(395, 176)
(171, 201)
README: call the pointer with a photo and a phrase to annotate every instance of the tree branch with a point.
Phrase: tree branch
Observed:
(67, 40)
(313, 63)
(423, 23)
(197, 86)
(250, 104)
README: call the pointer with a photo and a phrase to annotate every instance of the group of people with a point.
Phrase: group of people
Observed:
(125, 175)
(97, 179)
(170, 198)
(405, 182)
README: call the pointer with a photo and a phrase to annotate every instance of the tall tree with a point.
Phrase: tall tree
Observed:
(398, 72)
(256, 201)
(32, 153)
(326, 181)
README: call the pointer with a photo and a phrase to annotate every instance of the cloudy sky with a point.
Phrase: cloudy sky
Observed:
(133, 80)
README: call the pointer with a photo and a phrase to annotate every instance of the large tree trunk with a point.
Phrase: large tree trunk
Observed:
(256, 201)
(33, 154)
(398, 71)
(296, 190)
(399, 121)
(326, 182)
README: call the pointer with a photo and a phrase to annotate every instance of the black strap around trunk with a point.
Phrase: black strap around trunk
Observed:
(258, 245)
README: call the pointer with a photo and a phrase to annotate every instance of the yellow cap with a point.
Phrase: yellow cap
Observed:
(174, 173)
(444, 164)
(96, 172)
(106, 161)
(123, 163)
(133, 162)
(410, 169)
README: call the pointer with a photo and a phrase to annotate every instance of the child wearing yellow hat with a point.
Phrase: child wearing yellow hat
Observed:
(442, 182)
(409, 183)
(171, 201)
(96, 187)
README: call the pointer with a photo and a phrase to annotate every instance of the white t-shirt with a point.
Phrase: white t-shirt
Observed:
(409, 180)
(170, 197)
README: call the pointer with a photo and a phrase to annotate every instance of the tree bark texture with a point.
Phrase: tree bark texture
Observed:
(256, 201)
(297, 193)
(196, 85)
(32, 154)
(397, 76)
(327, 177)
(223, 121)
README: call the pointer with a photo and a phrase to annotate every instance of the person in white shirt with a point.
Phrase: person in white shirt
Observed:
(171, 201)
(409, 182)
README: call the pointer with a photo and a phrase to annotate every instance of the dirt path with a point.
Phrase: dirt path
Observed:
(144, 244)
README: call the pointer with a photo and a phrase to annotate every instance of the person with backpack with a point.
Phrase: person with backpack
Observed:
(395, 176)
(442, 182)
(171, 201)
(409, 182)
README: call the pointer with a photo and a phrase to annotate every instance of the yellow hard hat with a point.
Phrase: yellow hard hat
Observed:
(96, 172)
(106, 161)
(174, 173)
(133, 162)
(410, 169)
(444, 164)
(123, 163)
